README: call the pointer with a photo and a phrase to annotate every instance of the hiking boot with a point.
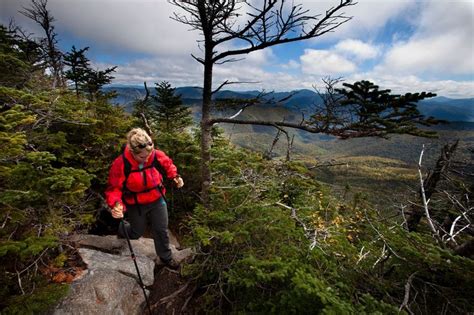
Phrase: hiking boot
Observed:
(171, 263)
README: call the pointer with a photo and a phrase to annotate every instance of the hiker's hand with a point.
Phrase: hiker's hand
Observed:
(178, 181)
(117, 211)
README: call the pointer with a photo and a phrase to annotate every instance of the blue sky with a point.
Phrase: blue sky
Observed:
(406, 46)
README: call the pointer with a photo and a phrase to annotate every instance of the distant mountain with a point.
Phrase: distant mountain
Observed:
(302, 100)
(448, 109)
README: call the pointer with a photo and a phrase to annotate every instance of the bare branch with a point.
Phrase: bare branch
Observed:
(423, 196)
(383, 255)
(171, 297)
(39, 13)
(416, 212)
(258, 29)
(274, 142)
(311, 234)
(343, 132)
(407, 293)
(142, 114)
(362, 255)
(227, 82)
(200, 60)
(228, 61)
(147, 91)
(48, 117)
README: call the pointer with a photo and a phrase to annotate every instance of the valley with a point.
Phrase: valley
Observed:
(381, 171)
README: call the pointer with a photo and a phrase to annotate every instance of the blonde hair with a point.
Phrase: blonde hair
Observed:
(138, 140)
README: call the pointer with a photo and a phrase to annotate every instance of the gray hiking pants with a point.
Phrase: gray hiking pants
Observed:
(157, 214)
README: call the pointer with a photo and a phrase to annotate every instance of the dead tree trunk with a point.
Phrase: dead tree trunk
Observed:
(416, 212)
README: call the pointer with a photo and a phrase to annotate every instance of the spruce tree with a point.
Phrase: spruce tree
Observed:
(379, 112)
(55, 152)
(18, 58)
(171, 115)
(79, 67)
(95, 80)
(170, 122)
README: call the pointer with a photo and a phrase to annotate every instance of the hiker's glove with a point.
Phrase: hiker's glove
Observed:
(117, 211)
(178, 181)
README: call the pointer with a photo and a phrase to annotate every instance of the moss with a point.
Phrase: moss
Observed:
(42, 300)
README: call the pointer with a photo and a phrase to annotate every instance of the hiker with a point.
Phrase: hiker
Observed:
(135, 186)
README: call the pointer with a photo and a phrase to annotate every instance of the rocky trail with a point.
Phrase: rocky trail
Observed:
(108, 283)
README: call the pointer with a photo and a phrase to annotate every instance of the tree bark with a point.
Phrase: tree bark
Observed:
(206, 125)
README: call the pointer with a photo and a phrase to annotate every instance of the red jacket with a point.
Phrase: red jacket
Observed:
(140, 182)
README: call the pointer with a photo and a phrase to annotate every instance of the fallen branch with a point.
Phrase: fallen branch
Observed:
(311, 234)
(170, 297)
(362, 255)
(188, 299)
(407, 293)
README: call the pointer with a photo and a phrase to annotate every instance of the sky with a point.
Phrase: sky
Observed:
(402, 45)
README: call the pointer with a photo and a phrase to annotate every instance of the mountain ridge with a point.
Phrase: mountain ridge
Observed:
(439, 107)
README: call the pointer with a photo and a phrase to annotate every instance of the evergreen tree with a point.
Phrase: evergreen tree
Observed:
(78, 65)
(171, 115)
(378, 112)
(277, 241)
(94, 80)
(18, 58)
(171, 121)
(55, 151)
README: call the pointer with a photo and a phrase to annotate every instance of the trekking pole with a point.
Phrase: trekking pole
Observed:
(132, 253)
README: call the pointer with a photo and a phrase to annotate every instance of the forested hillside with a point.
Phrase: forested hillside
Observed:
(313, 231)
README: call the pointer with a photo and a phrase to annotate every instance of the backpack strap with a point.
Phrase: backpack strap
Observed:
(162, 171)
(159, 167)
(127, 169)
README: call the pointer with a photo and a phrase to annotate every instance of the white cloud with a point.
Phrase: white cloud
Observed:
(260, 57)
(358, 49)
(181, 72)
(442, 43)
(324, 62)
(368, 16)
(291, 64)
(138, 26)
(445, 53)
(438, 42)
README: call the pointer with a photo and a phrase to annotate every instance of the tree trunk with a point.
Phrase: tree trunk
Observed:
(415, 213)
(206, 128)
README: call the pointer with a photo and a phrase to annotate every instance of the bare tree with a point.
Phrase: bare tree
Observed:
(416, 212)
(268, 25)
(446, 196)
(276, 22)
(39, 13)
